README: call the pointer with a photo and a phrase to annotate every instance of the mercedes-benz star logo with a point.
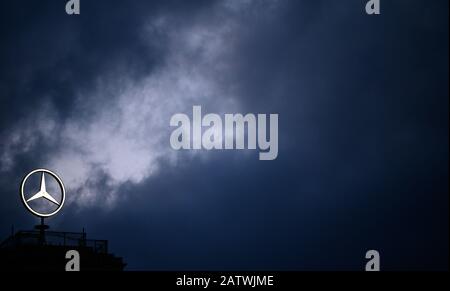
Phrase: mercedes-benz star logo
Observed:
(42, 193)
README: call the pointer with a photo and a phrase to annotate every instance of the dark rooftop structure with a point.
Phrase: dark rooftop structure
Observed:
(45, 251)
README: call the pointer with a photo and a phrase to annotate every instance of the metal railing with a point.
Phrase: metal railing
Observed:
(55, 238)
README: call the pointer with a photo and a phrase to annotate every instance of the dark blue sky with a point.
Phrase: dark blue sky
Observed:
(363, 129)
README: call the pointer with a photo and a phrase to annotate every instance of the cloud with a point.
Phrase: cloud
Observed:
(118, 131)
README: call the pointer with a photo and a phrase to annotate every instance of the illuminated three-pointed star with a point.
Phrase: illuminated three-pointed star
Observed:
(43, 193)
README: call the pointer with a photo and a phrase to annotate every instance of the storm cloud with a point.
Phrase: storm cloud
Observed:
(117, 129)
(363, 129)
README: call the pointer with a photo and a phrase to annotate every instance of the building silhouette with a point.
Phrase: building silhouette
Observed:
(43, 250)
